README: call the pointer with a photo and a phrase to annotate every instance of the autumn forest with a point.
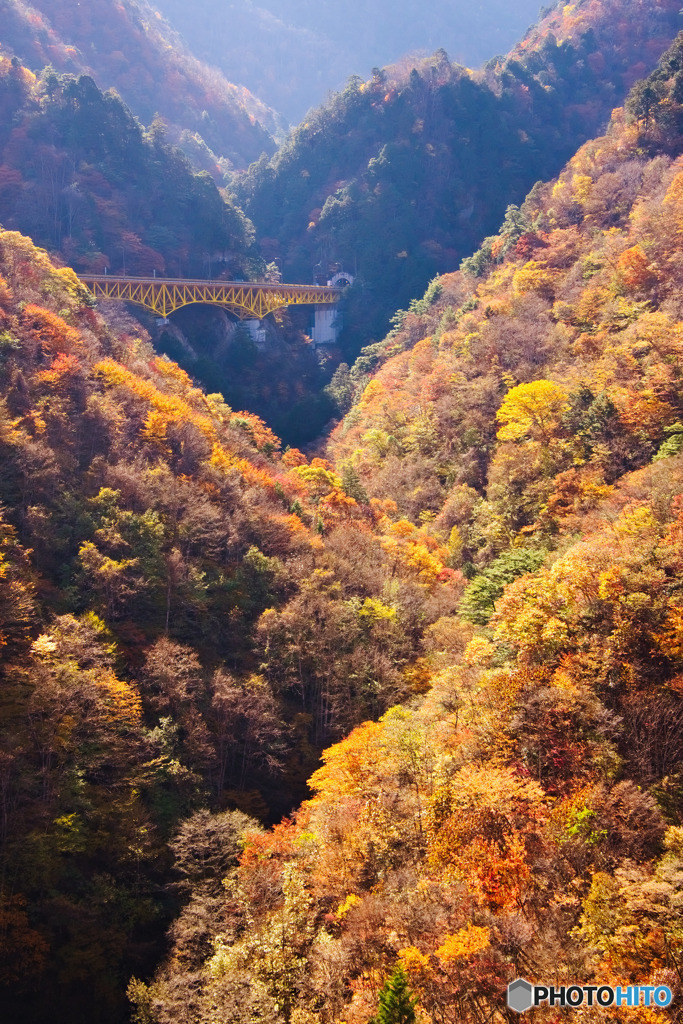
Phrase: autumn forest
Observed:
(341, 686)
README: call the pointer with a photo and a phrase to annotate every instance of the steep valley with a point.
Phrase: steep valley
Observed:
(359, 732)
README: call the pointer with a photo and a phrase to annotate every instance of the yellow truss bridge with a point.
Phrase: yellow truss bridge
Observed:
(248, 301)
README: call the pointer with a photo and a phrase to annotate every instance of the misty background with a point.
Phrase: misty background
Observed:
(291, 53)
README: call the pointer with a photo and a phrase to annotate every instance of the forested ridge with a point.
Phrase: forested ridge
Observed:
(128, 46)
(399, 177)
(305, 738)
(81, 175)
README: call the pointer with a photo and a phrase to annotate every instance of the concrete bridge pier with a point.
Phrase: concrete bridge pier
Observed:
(325, 330)
(327, 321)
(256, 330)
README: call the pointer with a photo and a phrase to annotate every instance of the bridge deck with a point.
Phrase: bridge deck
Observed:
(246, 299)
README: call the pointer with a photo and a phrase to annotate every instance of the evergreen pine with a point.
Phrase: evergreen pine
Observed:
(352, 486)
(396, 1002)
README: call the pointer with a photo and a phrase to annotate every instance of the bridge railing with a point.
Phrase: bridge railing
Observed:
(210, 283)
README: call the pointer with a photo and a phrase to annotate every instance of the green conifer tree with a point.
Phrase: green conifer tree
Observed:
(396, 1002)
(351, 485)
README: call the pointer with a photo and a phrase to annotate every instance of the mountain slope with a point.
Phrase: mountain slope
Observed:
(522, 814)
(187, 616)
(400, 177)
(127, 46)
(583, 260)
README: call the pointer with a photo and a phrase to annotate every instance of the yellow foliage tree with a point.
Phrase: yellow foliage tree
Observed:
(466, 943)
(531, 410)
(534, 276)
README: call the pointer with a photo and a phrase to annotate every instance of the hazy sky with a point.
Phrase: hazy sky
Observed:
(292, 52)
(386, 29)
